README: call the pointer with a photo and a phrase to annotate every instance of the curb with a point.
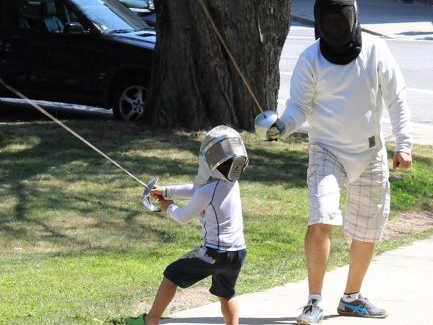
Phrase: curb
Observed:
(310, 22)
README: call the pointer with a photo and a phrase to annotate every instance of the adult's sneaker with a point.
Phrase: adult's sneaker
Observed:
(360, 307)
(311, 314)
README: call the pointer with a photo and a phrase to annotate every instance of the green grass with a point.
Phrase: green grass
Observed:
(77, 246)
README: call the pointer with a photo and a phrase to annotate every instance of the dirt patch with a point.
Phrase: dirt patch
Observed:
(189, 298)
(408, 223)
(184, 299)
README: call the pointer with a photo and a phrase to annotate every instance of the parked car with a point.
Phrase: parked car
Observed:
(91, 52)
(140, 4)
(144, 8)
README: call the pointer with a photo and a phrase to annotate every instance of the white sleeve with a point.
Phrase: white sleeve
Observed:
(178, 191)
(399, 114)
(199, 201)
(301, 96)
(394, 93)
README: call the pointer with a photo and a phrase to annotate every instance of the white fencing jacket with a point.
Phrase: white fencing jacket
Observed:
(218, 205)
(343, 104)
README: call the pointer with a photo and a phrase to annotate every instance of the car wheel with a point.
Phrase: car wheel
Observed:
(129, 98)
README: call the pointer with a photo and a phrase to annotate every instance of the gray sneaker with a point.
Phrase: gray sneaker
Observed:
(311, 314)
(361, 307)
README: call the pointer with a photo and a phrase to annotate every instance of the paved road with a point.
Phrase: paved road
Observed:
(420, 89)
(414, 58)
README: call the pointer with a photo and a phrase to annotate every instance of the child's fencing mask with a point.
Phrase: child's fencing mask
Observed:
(220, 145)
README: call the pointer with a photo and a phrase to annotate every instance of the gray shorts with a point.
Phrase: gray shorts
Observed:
(368, 197)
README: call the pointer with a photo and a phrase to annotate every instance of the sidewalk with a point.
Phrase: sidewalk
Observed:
(389, 18)
(422, 134)
(399, 281)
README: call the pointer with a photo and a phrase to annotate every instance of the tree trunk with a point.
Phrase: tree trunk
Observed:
(194, 84)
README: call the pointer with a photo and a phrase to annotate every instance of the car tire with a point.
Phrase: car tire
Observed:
(129, 98)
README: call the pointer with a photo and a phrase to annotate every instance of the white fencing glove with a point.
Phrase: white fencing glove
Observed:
(268, 126)
(275, 131)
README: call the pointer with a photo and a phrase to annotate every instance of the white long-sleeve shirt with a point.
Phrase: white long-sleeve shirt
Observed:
(343, 104)
(218, 205)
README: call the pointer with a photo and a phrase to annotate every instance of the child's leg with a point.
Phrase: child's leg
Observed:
(165, 294)
(230, 310)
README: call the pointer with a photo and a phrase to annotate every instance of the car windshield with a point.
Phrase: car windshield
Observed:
(110, 16)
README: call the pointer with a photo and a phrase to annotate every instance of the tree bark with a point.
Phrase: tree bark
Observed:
(194, 84)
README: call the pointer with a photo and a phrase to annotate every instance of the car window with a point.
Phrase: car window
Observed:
(45, 15)
(8, 14)
(11, 13)
(139, 4)
(111, 16)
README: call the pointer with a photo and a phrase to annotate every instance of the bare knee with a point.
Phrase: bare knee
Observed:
(230, 310)
(319, 231)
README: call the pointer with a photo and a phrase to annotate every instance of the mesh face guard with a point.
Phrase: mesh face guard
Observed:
(221, 144)
(224, 148)
(237, 167)
(336, 24)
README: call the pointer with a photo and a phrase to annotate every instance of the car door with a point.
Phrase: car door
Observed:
(71, 70)
(66, 58)
(15, 56)
(53, 54)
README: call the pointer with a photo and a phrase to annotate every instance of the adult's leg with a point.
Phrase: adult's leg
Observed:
(164, 296)
(361, 254)
(355, 304)
(317, 248)
(367, 213)
(368, 209)
(326, 178)
(230, 310)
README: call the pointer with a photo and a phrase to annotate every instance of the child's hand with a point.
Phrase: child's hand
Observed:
(164, 204)
(156, 192)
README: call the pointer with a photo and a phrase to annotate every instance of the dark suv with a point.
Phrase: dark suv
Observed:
(92, 52)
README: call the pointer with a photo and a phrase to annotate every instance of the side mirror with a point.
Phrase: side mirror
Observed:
(74, 28)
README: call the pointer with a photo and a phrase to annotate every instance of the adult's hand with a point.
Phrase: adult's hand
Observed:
(402, 160)
(273, 134)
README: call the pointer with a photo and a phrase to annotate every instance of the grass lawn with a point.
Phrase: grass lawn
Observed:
(77, 246)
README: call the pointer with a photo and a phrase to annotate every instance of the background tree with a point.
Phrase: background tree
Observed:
(194, 84)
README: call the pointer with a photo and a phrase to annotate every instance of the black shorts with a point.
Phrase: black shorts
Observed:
(224, 267)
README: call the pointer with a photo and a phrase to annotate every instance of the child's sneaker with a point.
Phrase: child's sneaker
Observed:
(311, 314)
(361, 307)
(140, 320)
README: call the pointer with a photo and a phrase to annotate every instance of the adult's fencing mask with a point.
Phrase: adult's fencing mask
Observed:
(337, 26)
(221, 146)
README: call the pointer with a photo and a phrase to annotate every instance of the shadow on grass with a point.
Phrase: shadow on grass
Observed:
(48, 154)
(288, 168)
